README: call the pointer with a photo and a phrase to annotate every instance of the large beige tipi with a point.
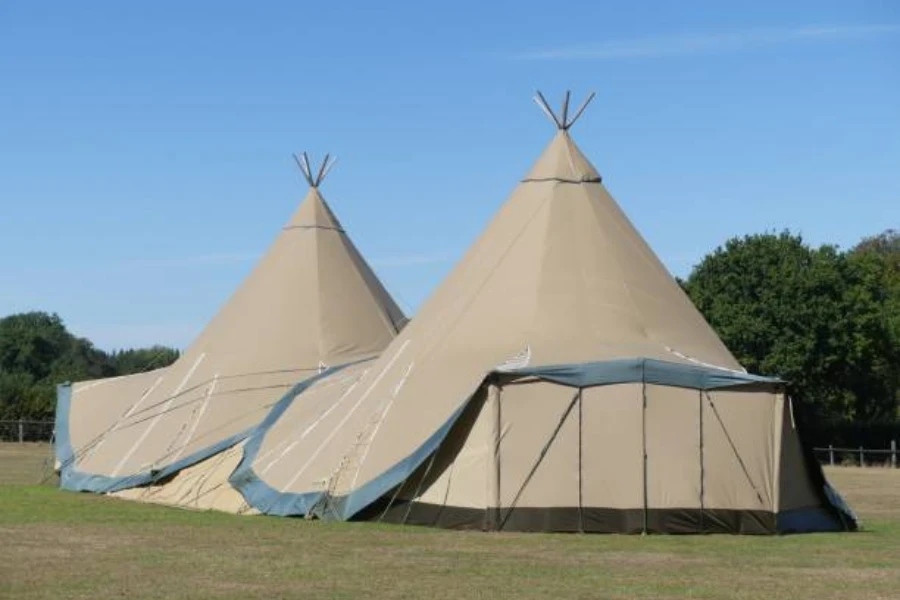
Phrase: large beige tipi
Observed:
(311, 303)
(558, 380)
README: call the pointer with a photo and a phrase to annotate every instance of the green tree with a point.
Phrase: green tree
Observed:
(874, 269)
(18, 397)
(37, 352)
(138, 360)
(813, 316)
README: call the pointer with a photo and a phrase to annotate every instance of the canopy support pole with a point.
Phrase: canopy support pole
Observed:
(644, 440)
(493, 516)
(580, 462)
(702, 474)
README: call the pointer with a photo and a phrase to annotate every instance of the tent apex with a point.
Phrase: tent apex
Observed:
(562, 120)
(314, 178)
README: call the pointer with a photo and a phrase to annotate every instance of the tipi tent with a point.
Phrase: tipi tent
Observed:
(312, 302)
(558, 380)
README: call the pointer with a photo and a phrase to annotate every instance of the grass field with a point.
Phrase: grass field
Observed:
(64, 545)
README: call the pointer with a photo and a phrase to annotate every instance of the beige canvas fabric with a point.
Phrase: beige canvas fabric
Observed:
(796, 490)
(311, 302)
(740, 449)
(563, 449)
(203, 486)
(559, 276)
(302, 424)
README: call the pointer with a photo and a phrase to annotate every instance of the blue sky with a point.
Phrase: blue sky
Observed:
(145, 149)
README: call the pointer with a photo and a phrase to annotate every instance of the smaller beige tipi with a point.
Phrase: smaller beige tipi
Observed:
(311, 303)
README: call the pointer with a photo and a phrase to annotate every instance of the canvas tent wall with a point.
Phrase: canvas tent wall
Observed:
(536, 454)
(310, 303)
(201, 486)
(559, 282)
(206, 485)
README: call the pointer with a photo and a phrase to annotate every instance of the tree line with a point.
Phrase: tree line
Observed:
(824, 320)
(37, 352)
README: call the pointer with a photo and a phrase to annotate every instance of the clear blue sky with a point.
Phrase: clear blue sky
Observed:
(145, 147)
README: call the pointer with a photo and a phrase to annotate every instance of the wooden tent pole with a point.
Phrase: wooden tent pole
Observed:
(542, 102)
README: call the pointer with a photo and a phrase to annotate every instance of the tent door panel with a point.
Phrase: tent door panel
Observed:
(738, 450)
(673, 448)
(539, 458)
(612, 480)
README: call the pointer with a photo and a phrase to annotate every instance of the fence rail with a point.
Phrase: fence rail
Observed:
(857, 456)
(24, 430)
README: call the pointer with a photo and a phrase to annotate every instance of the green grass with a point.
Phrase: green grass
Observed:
(65, 545)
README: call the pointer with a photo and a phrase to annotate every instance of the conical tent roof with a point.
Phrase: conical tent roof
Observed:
(311, 302)
(560, 276)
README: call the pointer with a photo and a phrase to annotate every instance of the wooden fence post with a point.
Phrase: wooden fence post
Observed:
(862, 460)
(831, 454)
(21, 431)
(893, 454)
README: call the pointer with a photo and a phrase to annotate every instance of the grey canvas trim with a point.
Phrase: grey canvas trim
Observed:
(73, 479)
(808, 520)
(343, 508)
(636, 370)
(255, 491)
(837, 502)
(584, 179)
(78, 481)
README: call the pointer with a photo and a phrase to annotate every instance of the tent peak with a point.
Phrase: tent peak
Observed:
(314, 178)
(562, 120)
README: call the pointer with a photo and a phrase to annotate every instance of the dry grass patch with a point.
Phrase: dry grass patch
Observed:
(872, 491)
(65, 545)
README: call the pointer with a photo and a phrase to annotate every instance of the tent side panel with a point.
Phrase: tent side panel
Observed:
(611, 459)
(739, 460)
(803, 502)
(97, 411)
(464, 481)
(450, 489)
(673, 459)
(796, 487)
(539, 458)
